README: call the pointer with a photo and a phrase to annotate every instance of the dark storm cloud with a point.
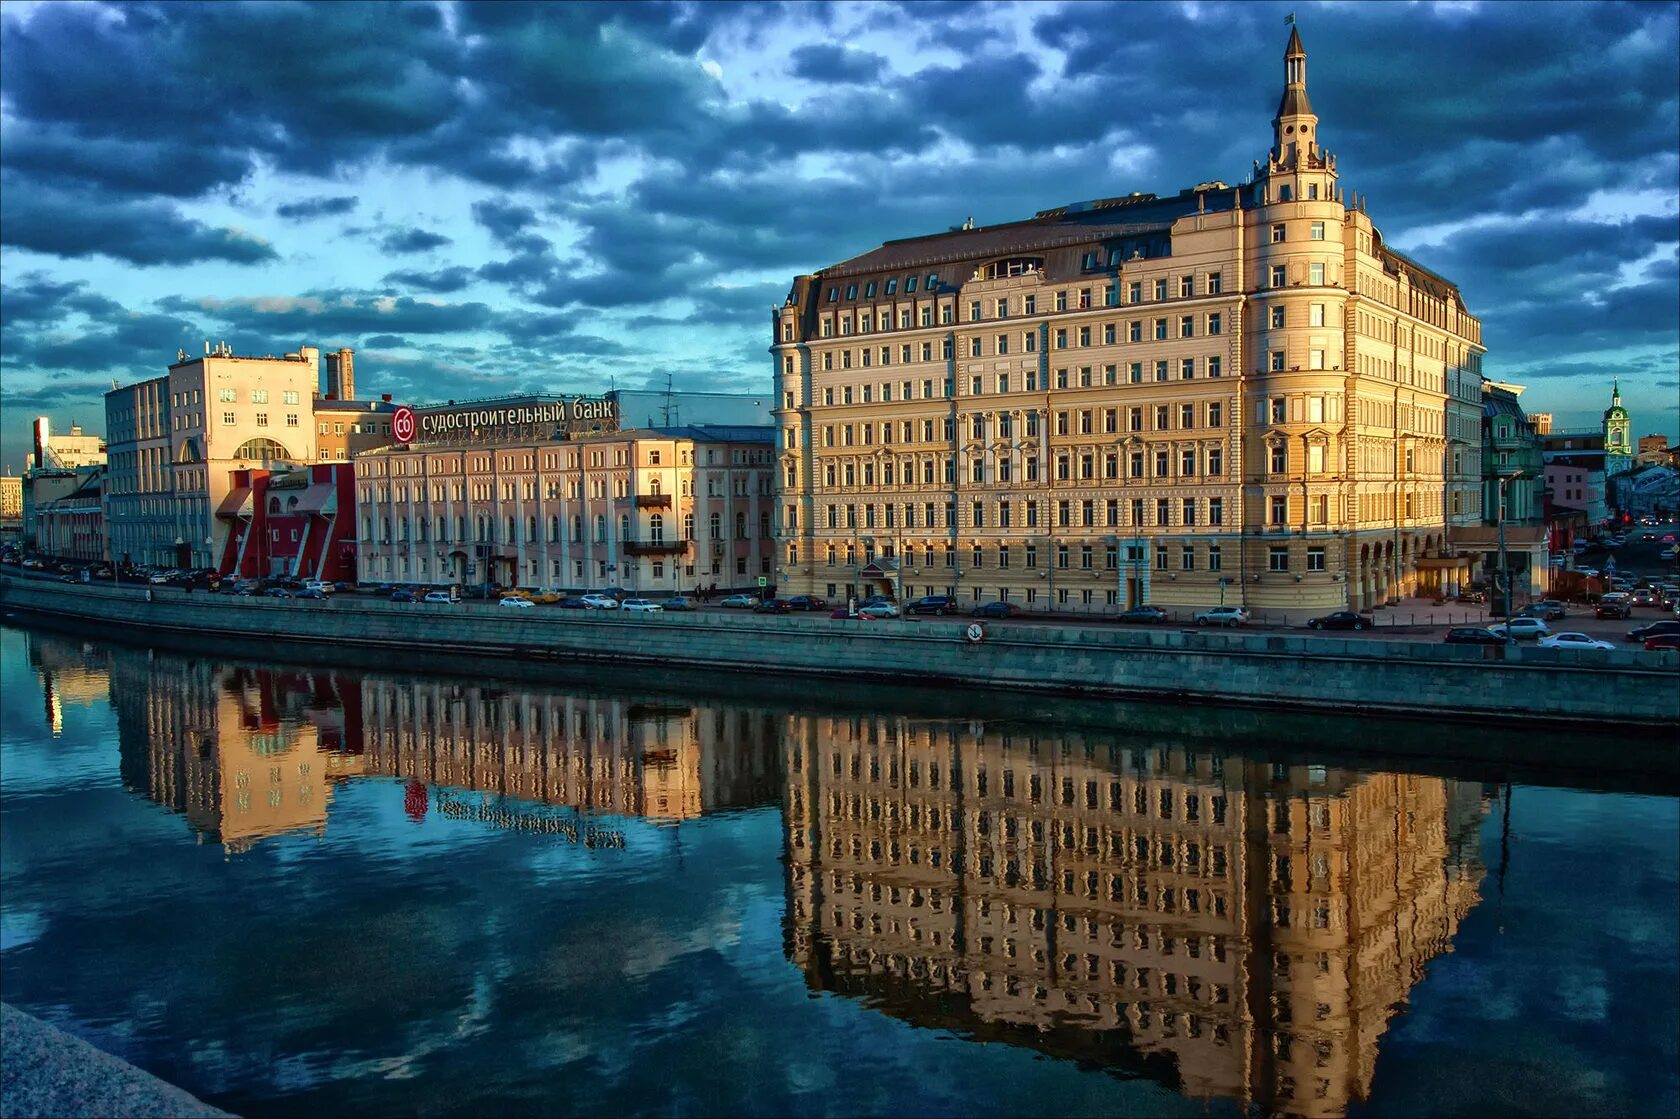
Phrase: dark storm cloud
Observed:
(319, 207)
(827, 62)
(118, 165)
(80, 224)
(442, 282)
(503, 219)
(413, 241)
(37, 298)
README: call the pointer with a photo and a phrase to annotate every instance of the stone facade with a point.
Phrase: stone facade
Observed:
(1236, 394)
(654, 510)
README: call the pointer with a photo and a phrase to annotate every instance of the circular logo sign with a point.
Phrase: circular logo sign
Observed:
(975, 632)
(402, 424)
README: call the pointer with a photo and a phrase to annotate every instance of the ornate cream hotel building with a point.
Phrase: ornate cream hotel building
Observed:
(1235, 394)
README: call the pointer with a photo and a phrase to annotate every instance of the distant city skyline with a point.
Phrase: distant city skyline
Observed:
(489, 199)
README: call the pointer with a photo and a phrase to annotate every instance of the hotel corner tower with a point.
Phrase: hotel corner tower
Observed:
(1236, 394)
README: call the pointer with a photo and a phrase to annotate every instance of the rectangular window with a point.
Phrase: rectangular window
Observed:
(1317, 231)
(1277, 559)
(1215, 323)
(1315, 274)
(1280, 511)
(1277, 361)
(1277, 233)
(1278, 318)
(1187, 326)
(1315, 314)
(1216, 510)
(1279, 276)
(1215, 367)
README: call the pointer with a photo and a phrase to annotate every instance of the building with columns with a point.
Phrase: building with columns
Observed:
(1234, 394)
(503, 493)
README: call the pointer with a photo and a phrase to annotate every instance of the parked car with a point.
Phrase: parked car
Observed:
(1341, 619)
(936, 604)
(572, 602)
(679, 602)
(1521, 628)
(1573, 641)
(773, 606)
(403, 596)
(1653, 629)
(320, 585)
(1144, 615)
(439, 596)
(874, 599)
(1613, 610)
(277, 592)
(617, 594)
(1222, 616)
(641, 606)
(996, 610)
(600, 602)
(1473, 635)
(1663, 641)
(547, 596)
(739, 602)
(878, 611)
(515, 592)
(808, 602)
(521, 603)
(311, 593)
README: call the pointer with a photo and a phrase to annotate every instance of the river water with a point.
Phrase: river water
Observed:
(305, 888)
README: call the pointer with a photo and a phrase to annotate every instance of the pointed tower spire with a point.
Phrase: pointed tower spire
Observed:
(1295, 128)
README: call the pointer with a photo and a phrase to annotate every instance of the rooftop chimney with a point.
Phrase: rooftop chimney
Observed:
(341, 375)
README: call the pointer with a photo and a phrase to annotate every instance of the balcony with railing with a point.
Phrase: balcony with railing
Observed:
(654, 547)
(653, 501)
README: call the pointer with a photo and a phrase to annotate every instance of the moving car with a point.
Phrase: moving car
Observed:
(547, 595)
(938, 605)
(1654, 629)
(996, 610)
(1613, 610)
(441, 596)
(319, 585)
(523, 603)
(1222, 616)
(1144, 615)
(313, 593)
(878, 611)
(773, 606)
(1473, 635)
(1341, 619)
(515, 592)
(739, 602)
(1663, 641)
(1521, 628)
(572, 602)
(600, 602)
(1573, 641)
(641, 606)
(806, 602)
(281, 592)
(403, 596)
(679, 602)
(1647, 597)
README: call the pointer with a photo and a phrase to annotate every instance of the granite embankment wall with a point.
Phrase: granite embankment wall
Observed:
(1626, 688)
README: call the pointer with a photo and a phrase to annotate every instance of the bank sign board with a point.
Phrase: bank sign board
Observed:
(525, 418)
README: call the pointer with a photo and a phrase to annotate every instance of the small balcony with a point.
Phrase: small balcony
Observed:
(653, 501)
(654, 547)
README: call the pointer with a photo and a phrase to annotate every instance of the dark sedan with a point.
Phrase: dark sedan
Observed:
(1655, 629)
(403, 596)
(571, 602)
(1341, 619)
(1144, 615)
(936, 604)
(804, 602)
(773, 606)
(996, 610)
(1618, 609)
(1473, 635)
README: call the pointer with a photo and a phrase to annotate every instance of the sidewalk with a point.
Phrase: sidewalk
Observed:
(47, 1072)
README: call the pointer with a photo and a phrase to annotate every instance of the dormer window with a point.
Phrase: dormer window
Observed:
(909, 285)
(892, 286)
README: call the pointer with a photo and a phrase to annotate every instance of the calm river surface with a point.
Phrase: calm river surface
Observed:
(298, 889)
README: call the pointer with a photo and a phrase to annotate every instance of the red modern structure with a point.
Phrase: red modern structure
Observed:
(298, 523)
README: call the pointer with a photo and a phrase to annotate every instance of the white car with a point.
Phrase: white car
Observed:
(319, 585)
(878, 610)
(599, 602)
(1520, 628)
(443, 596)
(1222, 616)
(516, 603)
(641, 606)
(1573, 641)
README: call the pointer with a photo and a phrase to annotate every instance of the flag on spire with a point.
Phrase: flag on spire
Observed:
(1289, 19)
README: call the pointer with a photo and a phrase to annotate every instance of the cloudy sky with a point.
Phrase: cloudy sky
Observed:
(485, 198)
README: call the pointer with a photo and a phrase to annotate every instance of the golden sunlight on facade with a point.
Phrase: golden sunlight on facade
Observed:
(1231, 395)
(1229, 927)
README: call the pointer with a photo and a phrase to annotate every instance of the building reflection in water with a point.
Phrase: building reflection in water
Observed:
(245, 752)
(1230, 927)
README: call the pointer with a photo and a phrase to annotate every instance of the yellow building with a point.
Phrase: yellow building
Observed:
(1235, 394)
(1234, 928)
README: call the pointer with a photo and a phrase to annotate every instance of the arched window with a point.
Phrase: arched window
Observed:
(656, 528)
(511, 537)
(261, 450)
(740, 526)
(291, 503)
(482, 528)
(624, 527)
(274, 505)
(653, 486)
(554, 530)
(577, 529)
(531, 528)
(600, 529)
